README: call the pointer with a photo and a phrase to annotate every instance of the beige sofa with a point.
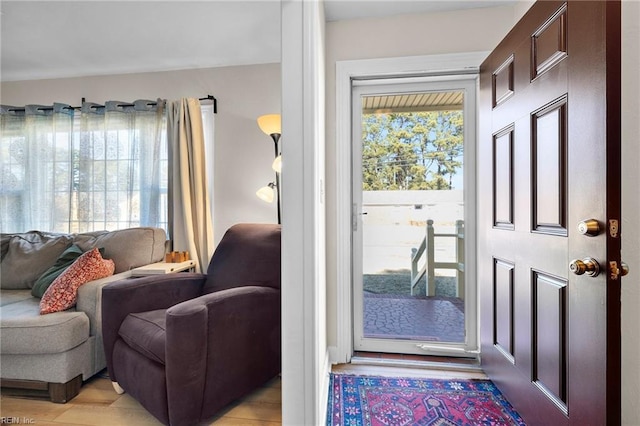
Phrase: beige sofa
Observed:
(57, 352)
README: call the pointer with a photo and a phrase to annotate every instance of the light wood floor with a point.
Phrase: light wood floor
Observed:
(99, 405)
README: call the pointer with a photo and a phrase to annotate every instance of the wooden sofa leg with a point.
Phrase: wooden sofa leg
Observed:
(57, 392)
(61, 393)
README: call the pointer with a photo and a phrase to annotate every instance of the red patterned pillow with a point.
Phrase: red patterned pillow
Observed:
(63, 291)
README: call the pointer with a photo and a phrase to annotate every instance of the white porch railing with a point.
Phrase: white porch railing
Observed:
(427, 248)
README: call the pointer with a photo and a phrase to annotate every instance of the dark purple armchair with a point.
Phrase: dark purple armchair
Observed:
(185, 345)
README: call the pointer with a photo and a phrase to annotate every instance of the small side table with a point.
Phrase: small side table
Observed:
(162, 268)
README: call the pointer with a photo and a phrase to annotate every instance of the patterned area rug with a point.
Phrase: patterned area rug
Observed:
(386, 401)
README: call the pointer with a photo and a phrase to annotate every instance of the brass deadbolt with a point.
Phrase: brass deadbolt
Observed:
(590, 227)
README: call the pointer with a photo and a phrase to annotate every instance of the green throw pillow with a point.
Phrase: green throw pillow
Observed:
(63, 262)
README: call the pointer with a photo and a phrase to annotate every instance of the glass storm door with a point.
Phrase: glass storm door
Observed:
(412, 148)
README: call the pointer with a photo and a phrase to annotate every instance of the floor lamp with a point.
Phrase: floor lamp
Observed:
(270, 124)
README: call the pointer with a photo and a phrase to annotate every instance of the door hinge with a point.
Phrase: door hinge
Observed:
(614, 270)
(613, 228)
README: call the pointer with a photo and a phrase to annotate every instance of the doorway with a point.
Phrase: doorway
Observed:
(412, 194)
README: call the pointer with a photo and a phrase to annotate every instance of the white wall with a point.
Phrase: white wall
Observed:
(243, 154)
(630, 211)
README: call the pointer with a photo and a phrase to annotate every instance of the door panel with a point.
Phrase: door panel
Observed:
(549, 336)
(549, 153)
(549, 167)
(503, 179)
(503, 312)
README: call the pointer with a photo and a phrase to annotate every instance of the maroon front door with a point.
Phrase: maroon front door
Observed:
(549, 214)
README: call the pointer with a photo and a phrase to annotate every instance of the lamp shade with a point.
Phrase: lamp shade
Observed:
(266, 193)
(270, 124)
(277, 164)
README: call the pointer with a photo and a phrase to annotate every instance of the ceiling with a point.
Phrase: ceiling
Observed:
(55, 39)
(413, 102)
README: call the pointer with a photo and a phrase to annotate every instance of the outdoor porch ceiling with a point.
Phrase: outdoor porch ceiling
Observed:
(412, 102)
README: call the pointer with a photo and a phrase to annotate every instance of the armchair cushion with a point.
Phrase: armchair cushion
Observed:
(146, 333)
(121, 298)
(248, 255)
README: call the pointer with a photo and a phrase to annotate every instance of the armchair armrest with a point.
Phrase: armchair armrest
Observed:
(121, 298)
(224, 344)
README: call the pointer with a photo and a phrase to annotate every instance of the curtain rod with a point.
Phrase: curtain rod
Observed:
(206, 98)
(47, 108)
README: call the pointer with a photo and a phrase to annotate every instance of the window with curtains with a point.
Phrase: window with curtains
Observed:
(102, 167)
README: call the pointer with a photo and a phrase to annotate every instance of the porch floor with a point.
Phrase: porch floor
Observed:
(436, 318)
(391, 312)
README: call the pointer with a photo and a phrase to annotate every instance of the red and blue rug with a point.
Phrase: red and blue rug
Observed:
(386, 401)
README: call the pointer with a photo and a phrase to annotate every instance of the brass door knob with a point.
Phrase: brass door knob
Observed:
(587, 266)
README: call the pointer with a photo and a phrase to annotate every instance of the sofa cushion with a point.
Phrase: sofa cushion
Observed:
(23, 331)
(65, 260)
(128, 248)
(4, 245)
(29, 255)
(63, 292)
(8, 297)
(145, 332)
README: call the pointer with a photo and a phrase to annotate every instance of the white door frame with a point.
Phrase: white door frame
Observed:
(305, 358)
(346, 71)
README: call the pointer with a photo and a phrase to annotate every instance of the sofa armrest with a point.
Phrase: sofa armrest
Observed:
(123, 297)
(90, 300)
(227, 341)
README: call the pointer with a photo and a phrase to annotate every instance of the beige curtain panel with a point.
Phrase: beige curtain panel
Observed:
(192, 224)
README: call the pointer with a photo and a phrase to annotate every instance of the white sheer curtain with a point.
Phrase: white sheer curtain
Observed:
(122, 166)
(36, 157)
(70, 171)
(192, 224)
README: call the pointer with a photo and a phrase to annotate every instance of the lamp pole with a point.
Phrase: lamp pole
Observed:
(276, 139)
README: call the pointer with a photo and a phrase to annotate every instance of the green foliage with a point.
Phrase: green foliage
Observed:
(411, 150)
